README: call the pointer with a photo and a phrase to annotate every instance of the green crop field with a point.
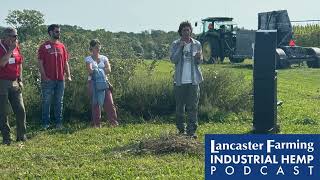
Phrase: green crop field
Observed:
(81, 152)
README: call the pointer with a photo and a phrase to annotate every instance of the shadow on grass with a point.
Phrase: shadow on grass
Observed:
(239, 66)
(71, 127)
(34, 128)
(274, 130)
(306, 121)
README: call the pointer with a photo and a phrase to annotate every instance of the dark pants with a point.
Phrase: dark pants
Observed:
(187, 97)
(10, 92)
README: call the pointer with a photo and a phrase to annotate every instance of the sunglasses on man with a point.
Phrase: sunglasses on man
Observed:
(13, 36)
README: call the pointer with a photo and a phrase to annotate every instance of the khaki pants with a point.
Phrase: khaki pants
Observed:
(10, 92)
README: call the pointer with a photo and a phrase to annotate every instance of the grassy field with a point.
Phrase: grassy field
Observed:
(80, 152)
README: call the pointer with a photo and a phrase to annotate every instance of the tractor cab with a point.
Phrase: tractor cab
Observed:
(218, 38)
(217, 23)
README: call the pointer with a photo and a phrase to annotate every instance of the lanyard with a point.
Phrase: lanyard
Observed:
(3, 46)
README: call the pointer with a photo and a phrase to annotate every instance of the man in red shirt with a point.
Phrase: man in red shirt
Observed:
(54, 68)
(11, 86)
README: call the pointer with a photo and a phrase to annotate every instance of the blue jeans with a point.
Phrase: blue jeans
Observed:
(49, 88)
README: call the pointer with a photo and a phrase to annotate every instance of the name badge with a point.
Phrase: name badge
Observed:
(12, 60)
(48, 46)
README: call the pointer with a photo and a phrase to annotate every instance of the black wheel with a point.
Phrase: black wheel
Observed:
(281, 59)
(315, 55)
(282, 63)
(315, 63)
(310, 64)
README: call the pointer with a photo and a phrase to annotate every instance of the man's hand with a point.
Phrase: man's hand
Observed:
(198, 57)
(12, 45)
(20, 84)
(182, 43)
(68, 78)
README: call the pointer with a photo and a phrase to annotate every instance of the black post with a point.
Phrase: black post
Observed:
(265, 82)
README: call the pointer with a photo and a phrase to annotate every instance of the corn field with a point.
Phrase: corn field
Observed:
(307, 35)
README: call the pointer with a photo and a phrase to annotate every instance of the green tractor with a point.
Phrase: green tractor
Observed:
(218, 39)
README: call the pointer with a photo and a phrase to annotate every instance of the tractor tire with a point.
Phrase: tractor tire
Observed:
(207, 52)
(316, 62)
(281, 59)
(210, 49)
(282, 63)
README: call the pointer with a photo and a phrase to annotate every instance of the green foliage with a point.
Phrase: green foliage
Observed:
(308, 35)
(151, 94)
(25, 18)
(27, 22)
(31, 78)
(123, 71)
(156, 43)
(141, 90)
(225, 95)
(148, 45)
(76, 99)
(148, 96)
(226, 90)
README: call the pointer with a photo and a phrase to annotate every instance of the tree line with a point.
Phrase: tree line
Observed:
(153, 44)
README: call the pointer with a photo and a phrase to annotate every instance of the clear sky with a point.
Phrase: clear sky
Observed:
(140, 15)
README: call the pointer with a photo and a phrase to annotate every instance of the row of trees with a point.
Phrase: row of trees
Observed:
(152, 44)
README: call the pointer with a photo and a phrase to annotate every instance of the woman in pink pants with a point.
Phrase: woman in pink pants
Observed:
(95, 60)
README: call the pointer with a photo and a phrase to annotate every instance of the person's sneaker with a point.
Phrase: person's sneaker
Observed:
(23, 138)
(6, 142)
